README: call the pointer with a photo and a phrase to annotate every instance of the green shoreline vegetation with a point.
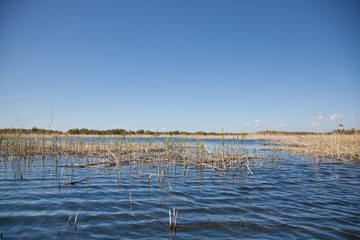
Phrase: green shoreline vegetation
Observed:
(341, 144)
(85, 131)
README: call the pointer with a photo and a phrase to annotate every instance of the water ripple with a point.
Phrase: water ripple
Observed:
(273, 204)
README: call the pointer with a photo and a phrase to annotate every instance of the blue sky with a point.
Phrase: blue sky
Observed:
(180, 65)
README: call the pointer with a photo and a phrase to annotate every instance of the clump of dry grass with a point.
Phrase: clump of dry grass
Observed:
(337, 146)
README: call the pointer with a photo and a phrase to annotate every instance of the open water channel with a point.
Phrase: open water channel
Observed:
(292, 198)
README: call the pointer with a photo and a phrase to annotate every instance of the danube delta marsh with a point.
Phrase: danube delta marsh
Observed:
(122, 187)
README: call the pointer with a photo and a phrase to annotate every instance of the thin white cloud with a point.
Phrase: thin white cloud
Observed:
(279, 125)
(252, 125)
(314, 124)
(258, 121)
(334, 117)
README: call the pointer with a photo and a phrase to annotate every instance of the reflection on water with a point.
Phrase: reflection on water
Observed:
(294, 197)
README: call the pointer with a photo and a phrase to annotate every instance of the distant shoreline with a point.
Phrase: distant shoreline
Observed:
(339, 146)
(247, 136)
(121, 133)
(47, 136)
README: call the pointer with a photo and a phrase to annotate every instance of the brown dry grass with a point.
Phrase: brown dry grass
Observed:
(338, 146)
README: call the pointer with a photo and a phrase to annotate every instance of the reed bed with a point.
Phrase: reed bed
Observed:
(344, 147)
(225, 156)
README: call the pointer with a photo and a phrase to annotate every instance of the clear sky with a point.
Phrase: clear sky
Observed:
(202, 65)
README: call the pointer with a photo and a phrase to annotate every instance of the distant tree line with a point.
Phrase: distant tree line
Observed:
(343, 131)
(33, 130)
(85, 131)
(138, 132)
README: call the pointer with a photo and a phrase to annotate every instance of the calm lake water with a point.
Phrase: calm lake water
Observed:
(125, 202)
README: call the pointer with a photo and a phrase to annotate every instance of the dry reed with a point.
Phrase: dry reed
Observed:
(337, 146)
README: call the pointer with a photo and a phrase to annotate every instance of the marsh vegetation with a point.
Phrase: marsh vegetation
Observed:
(226, 187)
(338, 144)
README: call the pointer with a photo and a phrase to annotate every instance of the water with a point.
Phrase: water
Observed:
(211, 204)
